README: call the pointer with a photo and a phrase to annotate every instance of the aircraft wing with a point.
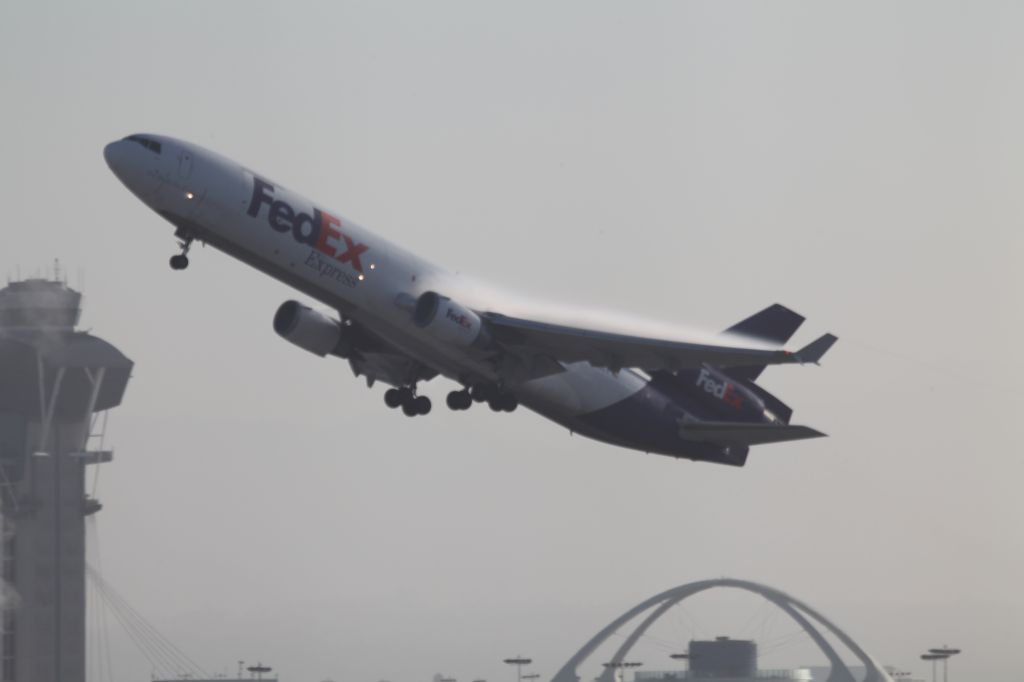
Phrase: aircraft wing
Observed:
(732, 433)
(616, 351)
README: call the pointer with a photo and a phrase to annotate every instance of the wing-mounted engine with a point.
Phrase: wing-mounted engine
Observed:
(450, 322)
(312, 331)
(366, 353)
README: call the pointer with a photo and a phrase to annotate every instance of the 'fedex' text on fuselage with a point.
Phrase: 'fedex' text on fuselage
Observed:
(320, 230)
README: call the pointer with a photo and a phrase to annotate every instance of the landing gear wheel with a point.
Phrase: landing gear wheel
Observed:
(412, 405)
(454, 401)
(503, 402)
(459, 400)
(393, 398)
(481, 393)
(509, 403)
(185, 239)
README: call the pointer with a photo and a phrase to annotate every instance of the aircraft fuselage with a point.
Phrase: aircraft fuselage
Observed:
(375, 284)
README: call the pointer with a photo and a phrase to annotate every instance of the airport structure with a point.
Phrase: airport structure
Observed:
(658, 605)
(724, 660)
(55, 383)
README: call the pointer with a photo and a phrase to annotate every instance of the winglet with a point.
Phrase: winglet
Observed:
(815, 350)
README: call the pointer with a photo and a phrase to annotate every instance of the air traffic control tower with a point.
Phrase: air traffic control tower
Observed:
(54, 384)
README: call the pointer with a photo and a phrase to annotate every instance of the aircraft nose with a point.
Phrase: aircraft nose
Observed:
(114, 154)
(136, 164)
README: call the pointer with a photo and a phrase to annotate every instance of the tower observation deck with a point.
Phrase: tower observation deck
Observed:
(54, 382)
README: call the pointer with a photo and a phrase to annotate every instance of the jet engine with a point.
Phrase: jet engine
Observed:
(449, 322)
(311, 330)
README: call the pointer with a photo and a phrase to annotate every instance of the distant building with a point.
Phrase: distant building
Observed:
(257, 672)
(820, 673)
(216, 679)
(723, 660)
(631, 627)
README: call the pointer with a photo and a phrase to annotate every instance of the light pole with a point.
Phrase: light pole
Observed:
(946, 653)
(622, 666)
(258, 670)
(934, 658)
(519, 662)
(680, 657)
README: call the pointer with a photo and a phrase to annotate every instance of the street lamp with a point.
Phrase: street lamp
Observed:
(623, 666)
(946, 653)
(934, 658)
(680, 657)
(519, 662)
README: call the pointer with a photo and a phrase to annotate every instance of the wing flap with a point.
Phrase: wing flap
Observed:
(732, 433)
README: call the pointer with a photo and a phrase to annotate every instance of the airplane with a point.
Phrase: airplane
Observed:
(400, 320)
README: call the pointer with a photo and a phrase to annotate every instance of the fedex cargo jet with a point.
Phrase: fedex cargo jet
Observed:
(402, 321)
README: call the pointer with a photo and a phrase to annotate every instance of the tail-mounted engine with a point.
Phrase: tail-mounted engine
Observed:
(449, 322)
(311, 330)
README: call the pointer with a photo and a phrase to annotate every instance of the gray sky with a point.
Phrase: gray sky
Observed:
(683, 162)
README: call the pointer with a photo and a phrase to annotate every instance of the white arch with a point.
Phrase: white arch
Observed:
(796, 609)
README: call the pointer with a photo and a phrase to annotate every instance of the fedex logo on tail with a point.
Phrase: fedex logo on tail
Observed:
(723, 390)
(322, 231)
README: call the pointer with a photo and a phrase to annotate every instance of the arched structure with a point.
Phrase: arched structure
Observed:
(659, 604)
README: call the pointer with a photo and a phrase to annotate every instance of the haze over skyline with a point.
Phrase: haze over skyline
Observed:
(685, 163)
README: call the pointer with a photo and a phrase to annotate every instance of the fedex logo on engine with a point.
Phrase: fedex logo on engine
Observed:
(723, 390)
(458, 318)
(320, 230)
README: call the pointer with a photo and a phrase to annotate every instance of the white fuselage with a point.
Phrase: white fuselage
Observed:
(337, 262)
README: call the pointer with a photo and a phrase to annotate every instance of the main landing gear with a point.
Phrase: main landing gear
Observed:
(459, 400)
(180, 261)
(413, 405)
(498, 400)
(406, 398)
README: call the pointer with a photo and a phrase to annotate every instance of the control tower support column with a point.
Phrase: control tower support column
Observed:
(54, 381)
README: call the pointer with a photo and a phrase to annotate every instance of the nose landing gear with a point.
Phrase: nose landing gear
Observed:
(180, 261)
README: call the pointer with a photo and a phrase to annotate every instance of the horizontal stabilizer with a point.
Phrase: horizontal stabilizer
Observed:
(815, 350)
(733, 433)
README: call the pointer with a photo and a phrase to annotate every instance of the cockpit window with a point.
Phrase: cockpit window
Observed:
(151, 145)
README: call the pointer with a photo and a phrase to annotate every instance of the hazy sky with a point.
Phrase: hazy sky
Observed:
(684, 162)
